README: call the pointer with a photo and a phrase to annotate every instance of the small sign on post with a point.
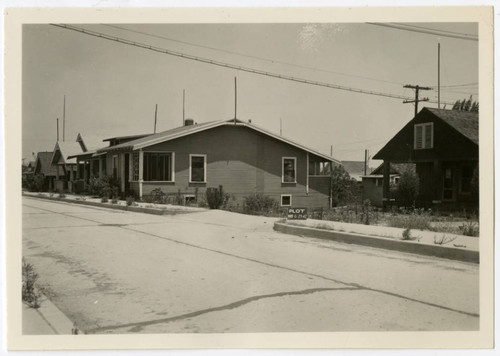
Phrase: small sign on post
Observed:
(297, 214)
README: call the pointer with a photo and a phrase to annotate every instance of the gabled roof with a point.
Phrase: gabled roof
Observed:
(43, 164)
(356, 169)
(462, 124)
(192, 129)
(465, 122)
(66, 150)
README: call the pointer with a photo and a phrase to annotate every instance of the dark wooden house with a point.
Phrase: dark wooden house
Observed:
(444, 145)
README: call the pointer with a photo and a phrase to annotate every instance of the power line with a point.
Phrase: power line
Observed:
(228, 65)
(460, 85)
(251, 56)
(428, 32)
(435, 29)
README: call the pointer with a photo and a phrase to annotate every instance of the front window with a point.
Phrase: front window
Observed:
(424, 136)
(197, 168)
(157, 166)
(289, 167)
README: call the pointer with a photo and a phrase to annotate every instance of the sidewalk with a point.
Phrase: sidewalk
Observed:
(46, 320)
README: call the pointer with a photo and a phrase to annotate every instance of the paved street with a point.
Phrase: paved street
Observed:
(111, 271)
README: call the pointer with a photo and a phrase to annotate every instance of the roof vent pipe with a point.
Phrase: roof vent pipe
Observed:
(188, 122)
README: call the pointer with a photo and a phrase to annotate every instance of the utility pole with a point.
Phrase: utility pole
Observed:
(439, 76)
(183, 106)
(366, 160)
(57, 124)
(235, 99)
(416, 101)
(64, 119)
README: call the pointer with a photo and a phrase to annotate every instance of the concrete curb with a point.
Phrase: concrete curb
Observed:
(381, 242)
(135, 209)
(55, 319)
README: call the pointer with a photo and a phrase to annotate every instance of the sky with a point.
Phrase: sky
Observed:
(112, 88)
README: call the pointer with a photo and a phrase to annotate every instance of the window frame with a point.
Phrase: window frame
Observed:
(423, 126)
(283, 169)
(286, 195)
(461, 180)
(172, 166)
(191, 155)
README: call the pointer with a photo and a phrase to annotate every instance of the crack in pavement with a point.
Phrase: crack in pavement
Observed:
(349, 284)
(229, 306)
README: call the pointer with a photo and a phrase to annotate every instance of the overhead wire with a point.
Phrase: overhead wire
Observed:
(428, 32)
(274, 61)
(228, 65)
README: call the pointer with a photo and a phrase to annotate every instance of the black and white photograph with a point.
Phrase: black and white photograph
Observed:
(229, 178)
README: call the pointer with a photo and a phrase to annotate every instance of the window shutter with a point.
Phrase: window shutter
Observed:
(418, 136)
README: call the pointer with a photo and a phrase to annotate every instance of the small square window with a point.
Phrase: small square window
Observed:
(286, 200)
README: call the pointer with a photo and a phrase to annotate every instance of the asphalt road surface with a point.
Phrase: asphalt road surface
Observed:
(112, 271)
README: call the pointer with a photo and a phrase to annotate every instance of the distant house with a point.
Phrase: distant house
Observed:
(67, 171)
(444, 145)
(93, 164)
(356, 169)
(373, 182)
(43, 165)
(244, 158)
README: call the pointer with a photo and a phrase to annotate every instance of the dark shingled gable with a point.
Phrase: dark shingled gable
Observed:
(465, 122)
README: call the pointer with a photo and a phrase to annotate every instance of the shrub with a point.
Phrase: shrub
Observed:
(35, 183)
(62, 195)
(343, 188)
(259, 204)
(30, 294)
(216, 197)
(130, 200)
(105, 186)
(104, 199)
(407, 188)
(114, 200)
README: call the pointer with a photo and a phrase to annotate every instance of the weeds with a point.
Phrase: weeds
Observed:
(470, 228)
(130, 201)
(104, 199)
(30, 294)
(62, 195)
(444, 239)
(416, 219)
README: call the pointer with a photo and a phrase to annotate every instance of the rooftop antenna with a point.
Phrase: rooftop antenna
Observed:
(156, 114)
(235, 99)
(64, 118)
(439, 76)
(183, 106)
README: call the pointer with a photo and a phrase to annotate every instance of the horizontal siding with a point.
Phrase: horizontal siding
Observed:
(243, 161)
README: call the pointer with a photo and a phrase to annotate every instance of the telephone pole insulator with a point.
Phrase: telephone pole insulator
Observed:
(417, 88)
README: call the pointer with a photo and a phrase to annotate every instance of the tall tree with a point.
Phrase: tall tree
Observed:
(466, 105)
